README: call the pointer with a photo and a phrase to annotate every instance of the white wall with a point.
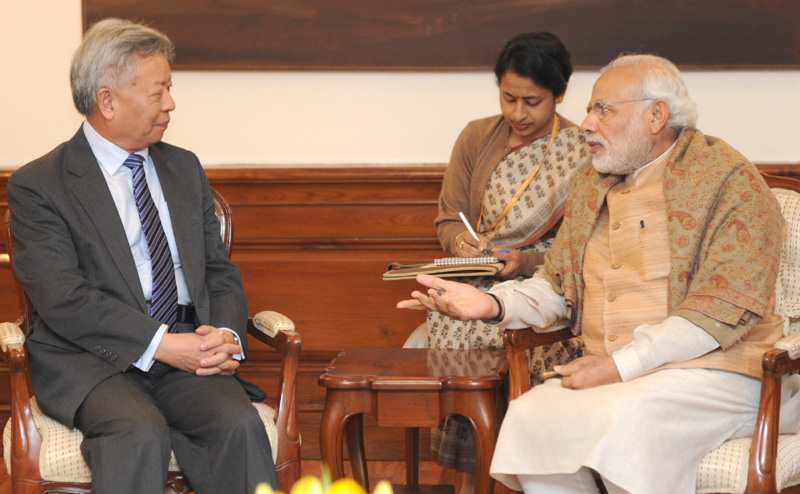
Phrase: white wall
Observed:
(334, 118)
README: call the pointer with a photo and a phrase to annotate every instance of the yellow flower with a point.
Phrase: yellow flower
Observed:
(264, 488)
(383, 487)
(313, 485)
(307, 485)
(345, 486)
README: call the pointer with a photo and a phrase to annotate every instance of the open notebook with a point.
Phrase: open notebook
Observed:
(448, 267)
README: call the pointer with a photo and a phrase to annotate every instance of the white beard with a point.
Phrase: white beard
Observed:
(625, 158)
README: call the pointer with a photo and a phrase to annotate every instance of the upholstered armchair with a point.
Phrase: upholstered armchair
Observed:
(768, 462)
(42, 455)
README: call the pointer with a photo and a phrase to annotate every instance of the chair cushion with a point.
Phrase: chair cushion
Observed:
(60, 459)
(787, 292)
(724, 470)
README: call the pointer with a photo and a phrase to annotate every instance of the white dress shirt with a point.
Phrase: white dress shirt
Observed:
(120, 183)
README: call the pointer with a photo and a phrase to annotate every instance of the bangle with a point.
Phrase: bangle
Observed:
(500, 310)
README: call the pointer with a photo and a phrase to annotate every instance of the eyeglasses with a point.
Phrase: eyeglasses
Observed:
(600, 108)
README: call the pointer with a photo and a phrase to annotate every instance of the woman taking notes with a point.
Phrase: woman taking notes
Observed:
(509, 175)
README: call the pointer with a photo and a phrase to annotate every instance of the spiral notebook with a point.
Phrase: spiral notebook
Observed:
(448, 267)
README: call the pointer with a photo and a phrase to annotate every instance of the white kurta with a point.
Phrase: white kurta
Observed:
(646, 436)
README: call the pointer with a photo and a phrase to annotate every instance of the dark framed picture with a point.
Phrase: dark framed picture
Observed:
(461, 34)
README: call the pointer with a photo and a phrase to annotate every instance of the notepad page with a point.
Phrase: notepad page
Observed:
(459, 261)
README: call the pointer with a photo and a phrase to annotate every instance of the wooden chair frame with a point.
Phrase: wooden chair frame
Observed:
(26, 440)
(776, 363)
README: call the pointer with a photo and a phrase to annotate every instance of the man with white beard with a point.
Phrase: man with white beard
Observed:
(666, 264)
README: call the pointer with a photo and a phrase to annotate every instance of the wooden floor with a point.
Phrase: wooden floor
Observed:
(430, 473)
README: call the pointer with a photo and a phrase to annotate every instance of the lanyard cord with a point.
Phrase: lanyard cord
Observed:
(556, 125)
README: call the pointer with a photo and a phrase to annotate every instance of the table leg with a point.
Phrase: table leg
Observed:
(330, 435)
(355, 447)
(343, 414)
(481, 414)
(412, 456)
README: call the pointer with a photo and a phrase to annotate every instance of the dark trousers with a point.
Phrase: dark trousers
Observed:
(133, 420)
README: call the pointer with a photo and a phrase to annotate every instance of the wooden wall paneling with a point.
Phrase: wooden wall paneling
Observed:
(350, 306)
(782, 170)
(312, 243)
(460, 34)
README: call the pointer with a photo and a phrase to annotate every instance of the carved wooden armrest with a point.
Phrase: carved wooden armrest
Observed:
(517, 342)
(791, 344)
(270, 322)
(776, 363)
(11, 336)
(277, 331)
(26, 441)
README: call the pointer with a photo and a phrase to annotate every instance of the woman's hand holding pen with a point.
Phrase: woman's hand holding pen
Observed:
(513, 259)
(481, 242)
(467, 246)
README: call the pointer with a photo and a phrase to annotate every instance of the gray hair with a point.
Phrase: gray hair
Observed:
(107, 55)
(661, 79)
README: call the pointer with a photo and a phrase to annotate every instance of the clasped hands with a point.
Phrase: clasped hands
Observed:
(464, 302)
(205, 352)
(467, 246)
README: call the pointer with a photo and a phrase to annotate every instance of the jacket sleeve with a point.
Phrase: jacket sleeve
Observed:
(77, 307)
(223, 278)
(455, 194)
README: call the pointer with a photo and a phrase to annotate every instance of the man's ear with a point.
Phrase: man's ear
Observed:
(659, 116)
(105, 103)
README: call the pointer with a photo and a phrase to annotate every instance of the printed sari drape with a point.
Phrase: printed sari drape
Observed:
(531, 224)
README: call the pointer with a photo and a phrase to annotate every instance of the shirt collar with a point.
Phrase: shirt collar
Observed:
(109, 155)
(669, 149)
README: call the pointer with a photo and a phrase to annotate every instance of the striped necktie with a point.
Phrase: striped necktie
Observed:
(164, 298)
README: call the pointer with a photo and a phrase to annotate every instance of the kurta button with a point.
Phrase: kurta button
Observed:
(615, 226)
(113, 357)
(97, 348)
(612, 337)
(616, 265)
(611, 297)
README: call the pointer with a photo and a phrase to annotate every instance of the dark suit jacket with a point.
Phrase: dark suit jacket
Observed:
(73, 259)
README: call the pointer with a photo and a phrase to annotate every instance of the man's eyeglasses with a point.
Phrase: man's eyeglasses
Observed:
(600, 108)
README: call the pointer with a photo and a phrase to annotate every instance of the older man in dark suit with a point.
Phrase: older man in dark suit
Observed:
(140, 317)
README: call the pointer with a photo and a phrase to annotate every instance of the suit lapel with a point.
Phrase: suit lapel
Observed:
(91, 191)
(178, 202)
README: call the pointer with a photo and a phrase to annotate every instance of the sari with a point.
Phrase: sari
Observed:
(529, 224)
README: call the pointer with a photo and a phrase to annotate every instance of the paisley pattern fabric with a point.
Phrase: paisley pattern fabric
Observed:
(531, 225)
(720, 216)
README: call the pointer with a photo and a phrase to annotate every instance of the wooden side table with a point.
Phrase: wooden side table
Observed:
(412, 388)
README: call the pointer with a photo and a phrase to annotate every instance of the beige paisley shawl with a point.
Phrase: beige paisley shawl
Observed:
(724, 226)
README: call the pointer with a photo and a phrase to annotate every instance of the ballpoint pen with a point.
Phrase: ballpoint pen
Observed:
(549, 375)
(471, 231)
